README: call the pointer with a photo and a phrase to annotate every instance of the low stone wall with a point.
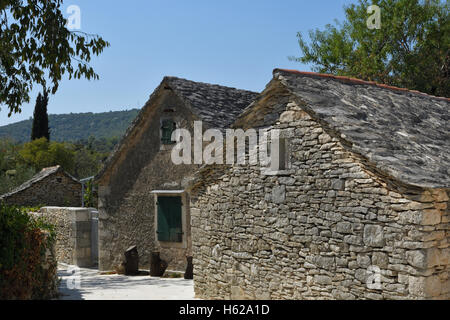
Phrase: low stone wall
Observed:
(326, 228)
(73, 234)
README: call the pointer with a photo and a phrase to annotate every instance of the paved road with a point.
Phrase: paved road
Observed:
(88, 284)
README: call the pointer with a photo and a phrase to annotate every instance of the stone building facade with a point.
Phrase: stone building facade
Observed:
(360, 209)
(139, 184)
(50, 187)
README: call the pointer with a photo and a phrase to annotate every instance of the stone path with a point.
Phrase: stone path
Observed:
(89, 284)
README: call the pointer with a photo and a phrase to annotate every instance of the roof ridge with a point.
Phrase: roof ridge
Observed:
(358, 81)
(39, 176)
(206, 83)
(215, 104)
(51, 168)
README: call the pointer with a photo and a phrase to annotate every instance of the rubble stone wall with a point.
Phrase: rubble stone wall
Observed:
(126, 203)
(54, 190)
(325, 228)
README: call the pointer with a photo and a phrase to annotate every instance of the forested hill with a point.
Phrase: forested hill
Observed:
(75, 126)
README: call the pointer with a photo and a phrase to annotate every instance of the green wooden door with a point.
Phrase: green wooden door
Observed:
(169, 219)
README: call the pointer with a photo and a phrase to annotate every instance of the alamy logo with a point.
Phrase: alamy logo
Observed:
(373, 278)
(232, 149)
(74, 280)
(74, 19)
(374, 20)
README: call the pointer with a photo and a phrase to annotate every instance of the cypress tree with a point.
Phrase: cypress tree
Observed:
(40, 118)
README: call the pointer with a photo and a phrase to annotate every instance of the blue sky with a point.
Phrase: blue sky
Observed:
(232, 43)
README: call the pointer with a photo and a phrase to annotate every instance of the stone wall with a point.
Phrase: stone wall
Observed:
(126, 203)
(328, 227)
(55, 190)
(73, 234)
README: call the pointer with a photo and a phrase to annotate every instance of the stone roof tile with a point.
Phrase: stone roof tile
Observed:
(44, 173)
(403, 132)
(215, 104)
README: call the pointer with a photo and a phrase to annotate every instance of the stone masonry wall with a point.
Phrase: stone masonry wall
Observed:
(326, 228)
(126, 203)
(73, 234)
(54, 190)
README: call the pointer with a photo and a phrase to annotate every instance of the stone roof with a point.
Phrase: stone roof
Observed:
(404, 133)
(44, 173)
(215, 104)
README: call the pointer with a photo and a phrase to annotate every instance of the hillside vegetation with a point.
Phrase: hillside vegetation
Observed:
(75, 126)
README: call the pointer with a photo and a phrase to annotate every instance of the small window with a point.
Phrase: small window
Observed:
(279, 154)
(283, 156)
(167, 128)
(169, 219)
(59, 180)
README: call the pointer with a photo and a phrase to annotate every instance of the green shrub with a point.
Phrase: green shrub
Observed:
(24, 241)
(89, 195)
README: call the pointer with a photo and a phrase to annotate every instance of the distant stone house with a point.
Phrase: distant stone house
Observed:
(142, 196)
(50, 187)
(359, 209)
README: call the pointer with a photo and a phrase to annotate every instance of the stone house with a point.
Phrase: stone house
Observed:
(50, 187)
(142, 196)
(358, 209)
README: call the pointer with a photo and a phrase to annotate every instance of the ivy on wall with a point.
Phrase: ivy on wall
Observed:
(27, 271)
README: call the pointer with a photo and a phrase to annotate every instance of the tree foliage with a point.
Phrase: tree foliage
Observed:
(89, 195)
(12, 171)
(75, 127)
(41, 153)
(40, 127)
(19, 163)
(88, 158)
(411, 49)
(36, 46)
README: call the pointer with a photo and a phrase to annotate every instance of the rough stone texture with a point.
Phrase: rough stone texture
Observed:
(50, 187)
(391, 128)
(73, 234)
(339, 218)
(217, 105)
(140, 165)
